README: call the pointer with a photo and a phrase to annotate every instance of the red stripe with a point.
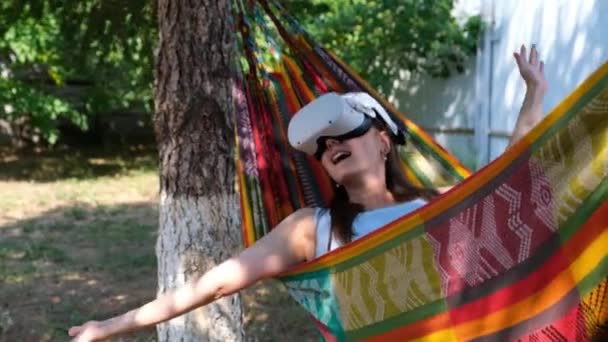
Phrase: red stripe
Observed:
(297, 48)
(536, 281)
(308, 55)
(299, 86)
(290, 169)
(292, 104)
(262, 162)
(279, 183)
(316, 78)
(596, 224)
(518, 291)
(318, 174)
(258, 135)
(478, 308)
(324, 331)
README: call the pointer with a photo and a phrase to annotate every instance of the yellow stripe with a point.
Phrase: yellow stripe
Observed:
(539, 301)
(460, 169)
(246, 211)
(439, 336)
(288, 92)
(360, 246)
(314, 60)
(590, 257)
(567, 103)
(410, 175)
(291, 169)
(295, 72)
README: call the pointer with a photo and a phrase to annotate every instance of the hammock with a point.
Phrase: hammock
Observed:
(517, 250)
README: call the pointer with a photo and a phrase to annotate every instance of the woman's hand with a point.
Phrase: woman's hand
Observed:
(90, 331)
(531, 68)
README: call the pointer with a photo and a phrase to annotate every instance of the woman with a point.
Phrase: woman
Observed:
(359, 155)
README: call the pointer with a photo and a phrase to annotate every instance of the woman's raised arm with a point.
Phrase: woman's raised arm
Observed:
(531, 69)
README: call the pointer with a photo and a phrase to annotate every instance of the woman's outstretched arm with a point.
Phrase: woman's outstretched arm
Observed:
(285, 246)
(531, 69)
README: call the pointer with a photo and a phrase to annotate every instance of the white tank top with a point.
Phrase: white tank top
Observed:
(364, 223)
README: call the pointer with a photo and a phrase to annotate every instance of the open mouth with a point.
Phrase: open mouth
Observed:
(339, 156)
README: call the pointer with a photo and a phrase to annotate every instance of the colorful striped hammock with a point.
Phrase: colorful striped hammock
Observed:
(518, 250)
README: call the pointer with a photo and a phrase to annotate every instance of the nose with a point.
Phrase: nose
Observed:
(330, 142)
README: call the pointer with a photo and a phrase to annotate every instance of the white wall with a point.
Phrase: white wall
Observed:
(442, 105)
(572, 40)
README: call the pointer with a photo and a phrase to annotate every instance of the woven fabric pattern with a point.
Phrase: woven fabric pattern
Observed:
(516, 251)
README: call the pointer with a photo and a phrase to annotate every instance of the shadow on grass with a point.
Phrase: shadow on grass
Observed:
(69, 163)
(73, 264)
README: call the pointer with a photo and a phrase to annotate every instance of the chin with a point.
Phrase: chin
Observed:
(348, 178)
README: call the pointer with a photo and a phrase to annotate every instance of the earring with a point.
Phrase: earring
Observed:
(384, 154)
(337, 185)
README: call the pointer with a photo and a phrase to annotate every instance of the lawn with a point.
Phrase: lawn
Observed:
(77, 237)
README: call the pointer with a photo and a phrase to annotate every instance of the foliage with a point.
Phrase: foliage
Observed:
(380, 39)
(67, 60)
(64, 60)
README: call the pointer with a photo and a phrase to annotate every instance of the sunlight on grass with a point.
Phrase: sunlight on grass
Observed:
(77, 245)
(26, 200)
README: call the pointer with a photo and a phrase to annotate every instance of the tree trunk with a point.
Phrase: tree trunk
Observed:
(199, 212)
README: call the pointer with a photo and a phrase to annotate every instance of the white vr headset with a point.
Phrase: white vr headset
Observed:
(338, 117)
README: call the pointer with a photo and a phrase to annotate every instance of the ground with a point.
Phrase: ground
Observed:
(77, 236)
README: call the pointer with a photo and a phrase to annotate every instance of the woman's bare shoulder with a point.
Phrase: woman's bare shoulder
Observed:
(301, 220)
(300, 229)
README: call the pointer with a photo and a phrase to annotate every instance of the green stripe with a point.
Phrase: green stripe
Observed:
(409, 162)
(283, 146)
(599, 274)
(408, 317)
(363, 257)
(257, 209)
(448, 167)
(584, 211)
(304, 170)
(383, 247)
(597, 88)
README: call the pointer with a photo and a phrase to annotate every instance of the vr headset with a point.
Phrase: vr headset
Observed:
(337, 117)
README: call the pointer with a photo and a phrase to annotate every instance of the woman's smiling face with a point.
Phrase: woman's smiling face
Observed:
(346, 160)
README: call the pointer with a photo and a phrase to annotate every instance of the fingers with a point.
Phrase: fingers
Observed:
(533, 55)
(517, 59)
(520, 57)
(533, 59)
(542, 67)
(75, 330)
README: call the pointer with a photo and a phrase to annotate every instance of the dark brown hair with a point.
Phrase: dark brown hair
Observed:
(343, 212)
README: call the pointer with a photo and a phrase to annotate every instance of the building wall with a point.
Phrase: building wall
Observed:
(443, 107)
(477, 110)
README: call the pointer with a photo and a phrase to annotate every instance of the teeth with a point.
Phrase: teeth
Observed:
(339, 157)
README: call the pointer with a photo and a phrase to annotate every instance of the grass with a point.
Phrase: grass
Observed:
(77, 237)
